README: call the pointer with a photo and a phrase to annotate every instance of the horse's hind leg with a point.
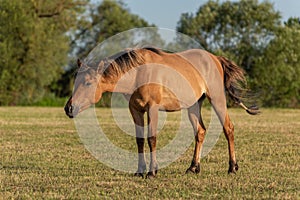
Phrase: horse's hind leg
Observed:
(229, 134)
(219, 105)
(194, 113)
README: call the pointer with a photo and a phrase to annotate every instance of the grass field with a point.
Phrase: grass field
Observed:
(42, 157)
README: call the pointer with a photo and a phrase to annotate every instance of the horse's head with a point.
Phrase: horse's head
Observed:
(87, 90)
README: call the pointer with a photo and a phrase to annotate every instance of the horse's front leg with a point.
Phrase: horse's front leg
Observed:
(194, 113)
(138, 118)
(152, 116)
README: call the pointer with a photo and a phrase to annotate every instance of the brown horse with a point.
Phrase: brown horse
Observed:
(155, 80)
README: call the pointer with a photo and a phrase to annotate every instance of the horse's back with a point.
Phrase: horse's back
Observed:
(170, 80)
(202, 60)
(208, 66)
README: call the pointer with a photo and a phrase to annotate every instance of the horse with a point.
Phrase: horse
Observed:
(155, 80)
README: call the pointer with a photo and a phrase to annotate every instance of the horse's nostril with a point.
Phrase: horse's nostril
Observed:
(71, 109)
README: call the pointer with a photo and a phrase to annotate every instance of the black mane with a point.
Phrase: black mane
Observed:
(123, 61)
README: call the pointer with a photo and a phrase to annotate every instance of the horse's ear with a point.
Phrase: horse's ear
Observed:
(100, 66)
(79, 63)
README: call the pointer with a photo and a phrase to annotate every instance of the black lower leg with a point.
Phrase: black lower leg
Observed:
(233, 167)
(194, 168)
(141, 159)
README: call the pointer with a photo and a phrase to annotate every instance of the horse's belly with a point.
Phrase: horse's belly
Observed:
(168, 104)
(171, 102)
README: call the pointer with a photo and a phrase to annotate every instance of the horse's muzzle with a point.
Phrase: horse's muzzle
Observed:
(71, 110)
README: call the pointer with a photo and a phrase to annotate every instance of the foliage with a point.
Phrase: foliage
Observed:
(33, 46)
(103, 21)
(250, 33)
(278, 70)
(240, 29)
(41, 40)
(50, 100)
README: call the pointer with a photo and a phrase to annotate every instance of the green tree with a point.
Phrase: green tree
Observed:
(240, 29)
(101, 22)
(105, 20)
(251, 33)
(278, 69)
(33, 46)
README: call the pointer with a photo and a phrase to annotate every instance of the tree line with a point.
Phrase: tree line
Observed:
(41, 40)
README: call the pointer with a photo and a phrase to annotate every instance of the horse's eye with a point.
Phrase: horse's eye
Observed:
(87, 83)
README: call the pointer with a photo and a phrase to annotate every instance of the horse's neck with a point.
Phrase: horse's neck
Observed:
(123, 84)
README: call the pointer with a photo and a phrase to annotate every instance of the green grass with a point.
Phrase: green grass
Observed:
(42, 156)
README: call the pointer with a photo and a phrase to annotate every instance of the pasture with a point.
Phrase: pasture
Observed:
(42, 157)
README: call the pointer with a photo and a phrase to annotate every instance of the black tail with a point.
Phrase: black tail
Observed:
(234, 77)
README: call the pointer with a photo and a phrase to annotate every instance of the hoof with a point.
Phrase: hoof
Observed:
(233, 167)
(140, 171)
(151, 175)
(137, 174)
(194, 168)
